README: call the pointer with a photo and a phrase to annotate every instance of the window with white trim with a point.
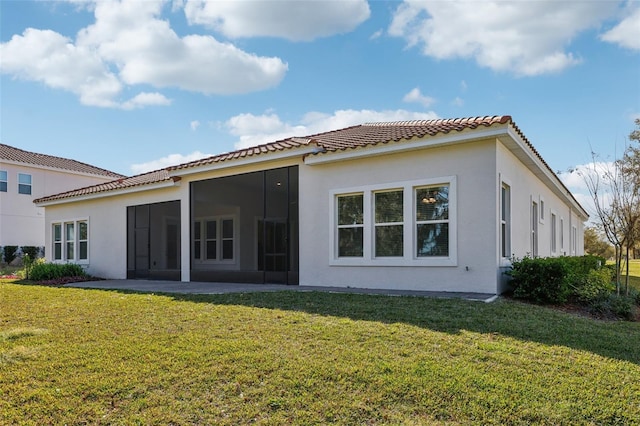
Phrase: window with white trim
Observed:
(534, 229)
(70, 241)
(554, 233)
(3, 180)
(505, 221)
(561, 234)
(350, 225)
(24, 183)
(214, 239)
(399, 224)
(389, 223)
(542, 214)
(574, 239)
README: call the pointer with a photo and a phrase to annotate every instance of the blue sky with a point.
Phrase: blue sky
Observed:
(136, 85)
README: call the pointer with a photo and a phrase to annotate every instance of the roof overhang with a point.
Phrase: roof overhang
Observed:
(59, 170)
(248, 160)
(174, 182)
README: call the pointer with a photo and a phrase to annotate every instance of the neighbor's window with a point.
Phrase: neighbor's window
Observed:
(70, 241)
(351, 225)
(56, 237)
(505, 221)
(389, 220)
(432, 221)
(403, 224)
(24, 184)
(214, 239)
(3, 181)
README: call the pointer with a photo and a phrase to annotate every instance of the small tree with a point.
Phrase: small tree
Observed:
(615, 190)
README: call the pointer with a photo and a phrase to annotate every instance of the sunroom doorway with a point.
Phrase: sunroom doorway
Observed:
(244, 228)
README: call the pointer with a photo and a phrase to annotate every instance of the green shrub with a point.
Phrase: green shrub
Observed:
(595, 285)
(10, 253)
(541, 280)
(51, 271)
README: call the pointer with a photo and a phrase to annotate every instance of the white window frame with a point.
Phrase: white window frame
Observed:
(22, 184)
(75, 241)
(219, 240)
(505, 222)
(409, 257)
(574, 239)
(4, 180)
(383, 224)
(541, 209)
(535, 214)
(562, 234)
(554, 232)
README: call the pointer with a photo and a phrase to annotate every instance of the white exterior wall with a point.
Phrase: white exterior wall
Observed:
(472, 164)
(21, 221)
(107, 219)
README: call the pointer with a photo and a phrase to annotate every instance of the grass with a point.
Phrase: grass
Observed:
(71, 356)
(634, 274)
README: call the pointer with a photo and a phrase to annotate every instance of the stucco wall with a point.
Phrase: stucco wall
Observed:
(21, 221)
(107, 218)
(473, 165)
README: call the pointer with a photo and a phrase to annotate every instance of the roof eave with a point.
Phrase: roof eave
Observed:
(264, 157)
(172, 182)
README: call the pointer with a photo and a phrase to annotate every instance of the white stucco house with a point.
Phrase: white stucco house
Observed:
(436, 205)
(26, 176)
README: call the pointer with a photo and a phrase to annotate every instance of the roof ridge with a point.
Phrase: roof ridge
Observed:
(489, 119)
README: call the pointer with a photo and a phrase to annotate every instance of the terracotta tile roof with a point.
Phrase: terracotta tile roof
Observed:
(157, 176)
(15, 154)
(375, 133)
(354, 137)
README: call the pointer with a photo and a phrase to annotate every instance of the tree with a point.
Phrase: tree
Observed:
(595, 243)
(615, 190)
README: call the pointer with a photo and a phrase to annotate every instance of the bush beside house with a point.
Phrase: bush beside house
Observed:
(584, 281)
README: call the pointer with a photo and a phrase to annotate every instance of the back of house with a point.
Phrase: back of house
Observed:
(440, 205)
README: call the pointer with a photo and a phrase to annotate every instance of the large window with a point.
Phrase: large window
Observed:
(3, 181)
(403, 224)
(214, 239)
(505, 221)
(24, 184)
(70, 241)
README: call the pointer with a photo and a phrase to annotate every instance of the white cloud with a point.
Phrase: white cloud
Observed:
(255, 130)
(416, 96)
(463, 86)
(627, 32)
(292, 20)
(457, 101)
(169, 160)
(145, 99)
(194, 125)
(574, 179)
(129, 44)
(525, 38)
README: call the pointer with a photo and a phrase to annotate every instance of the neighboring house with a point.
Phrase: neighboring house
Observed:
(25, 176)
(420, 205)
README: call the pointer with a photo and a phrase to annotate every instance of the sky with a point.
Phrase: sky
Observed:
(134, 85)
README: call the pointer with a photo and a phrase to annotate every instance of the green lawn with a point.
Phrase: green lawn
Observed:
(73, 356)
(634, 274)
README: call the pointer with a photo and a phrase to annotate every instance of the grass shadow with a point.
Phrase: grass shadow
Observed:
(522, 321)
